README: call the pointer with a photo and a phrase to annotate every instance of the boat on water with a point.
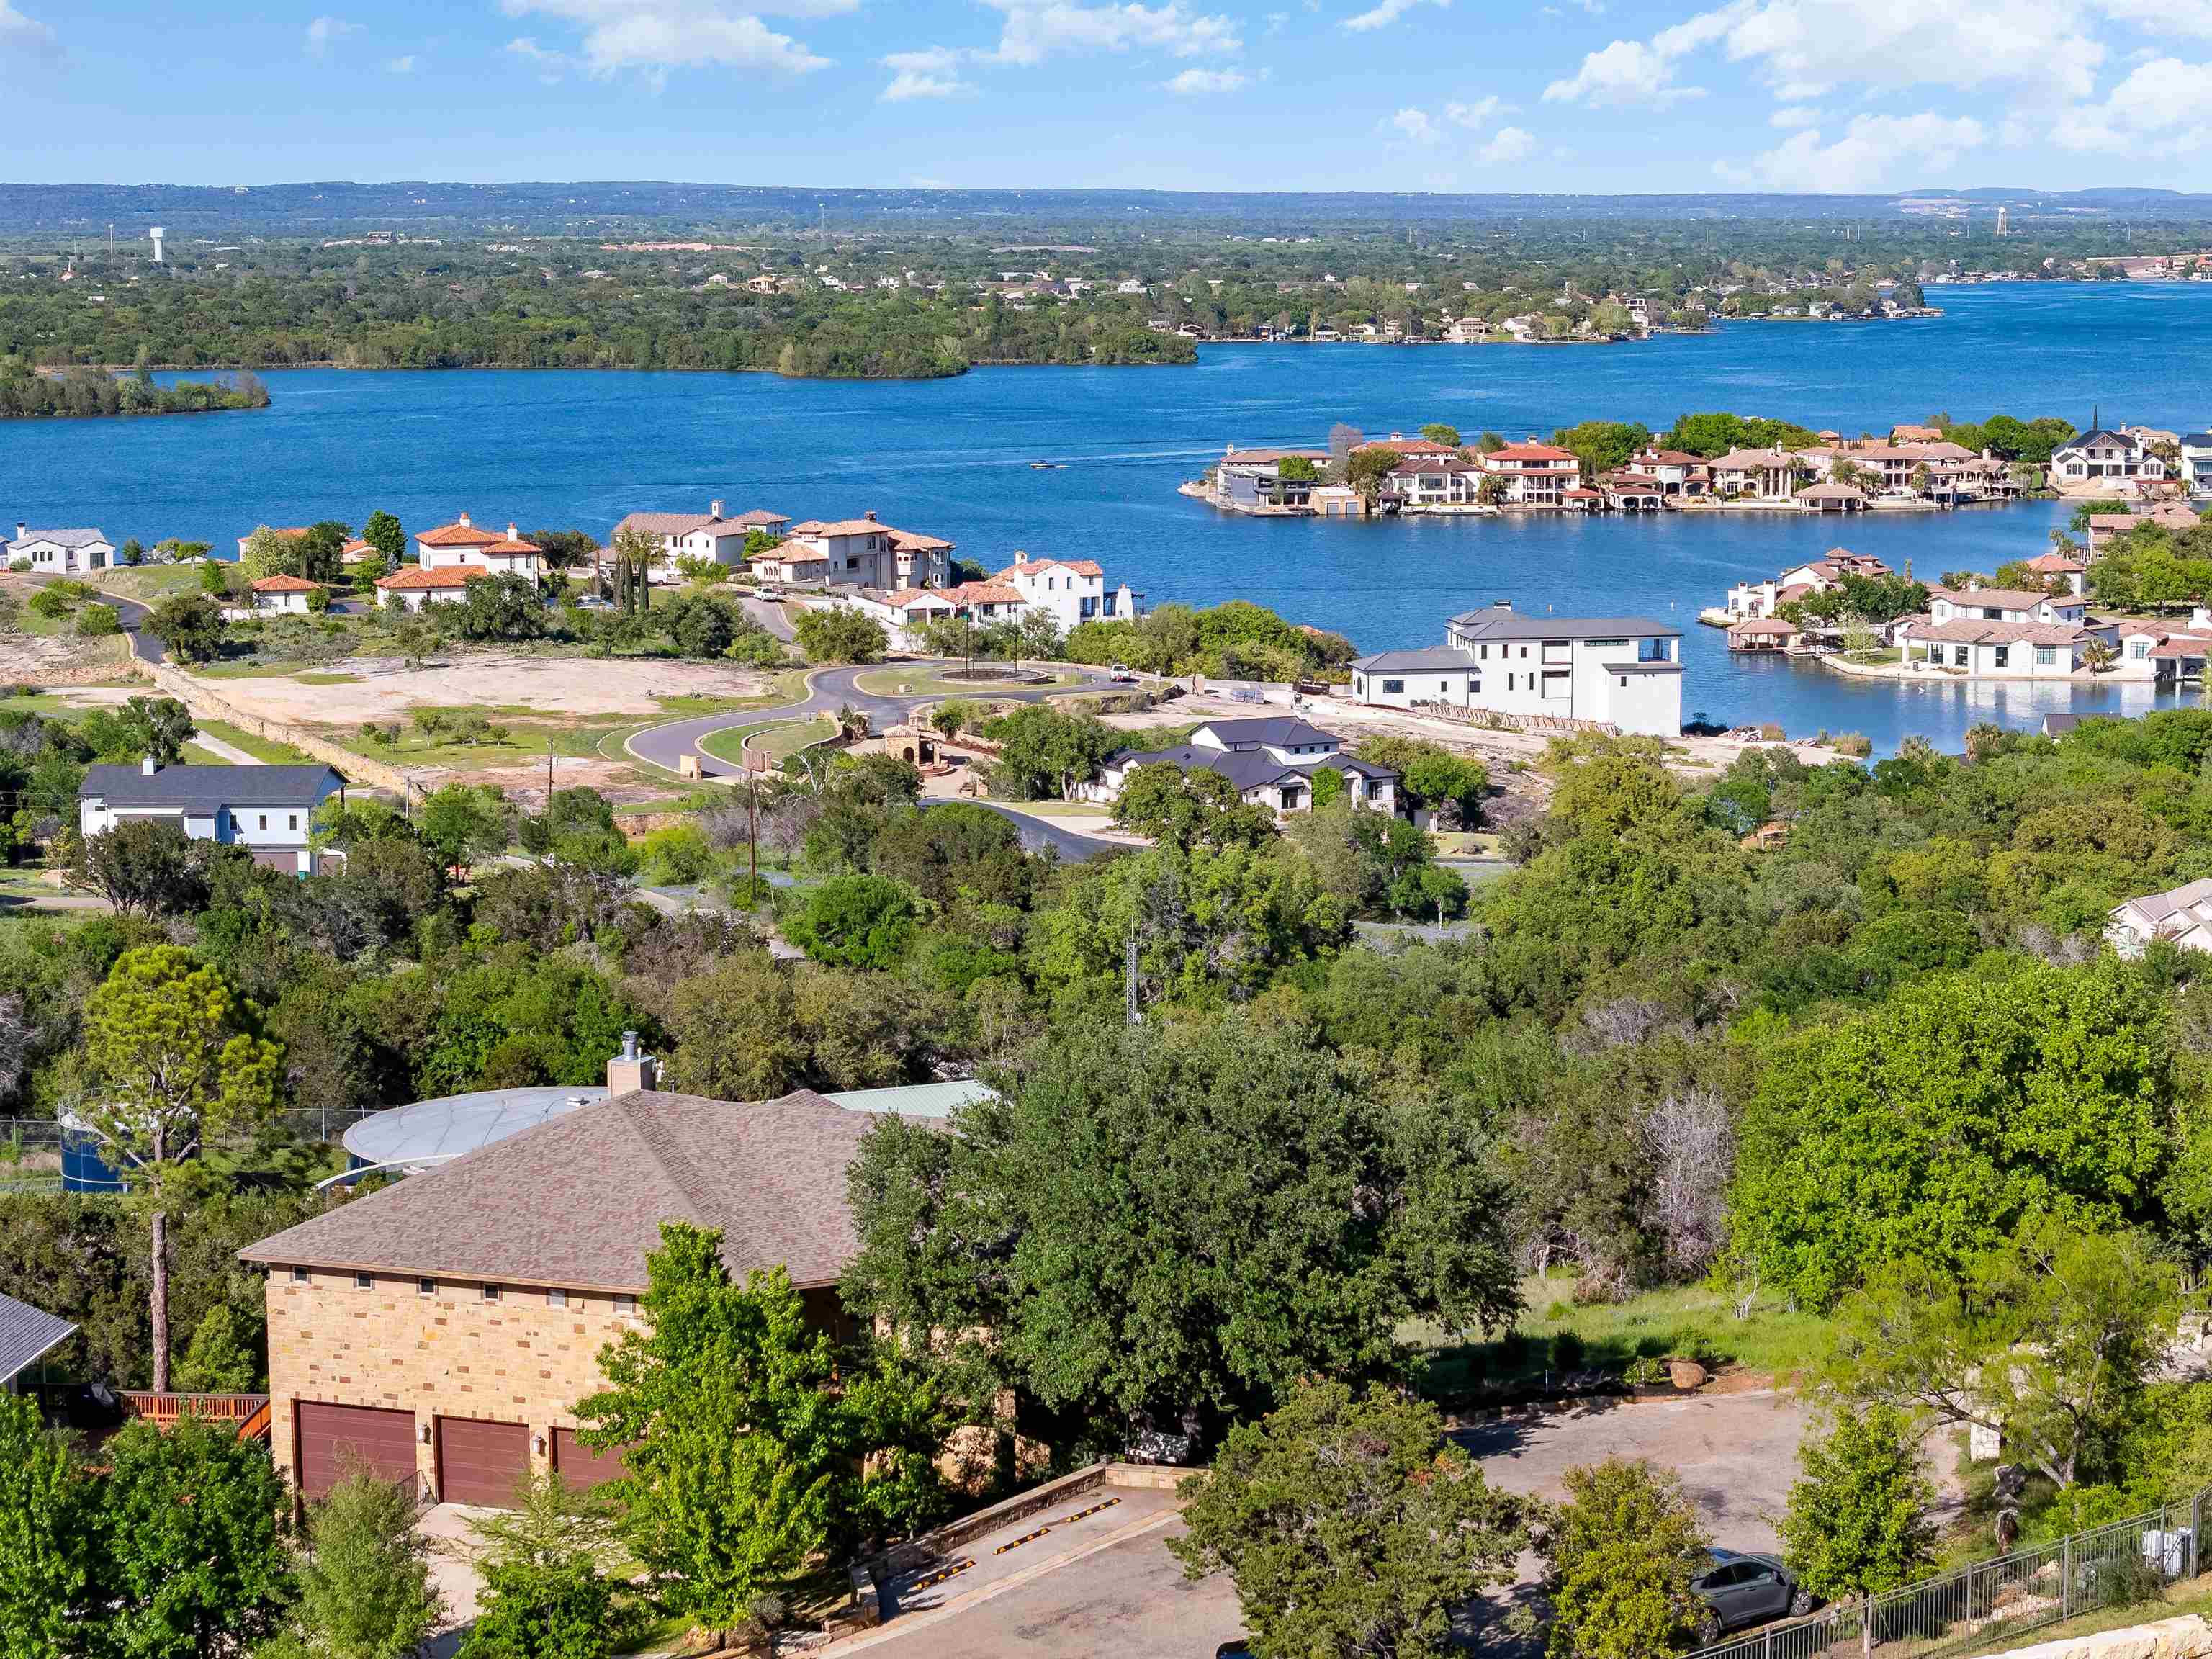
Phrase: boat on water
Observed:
(1044, 467)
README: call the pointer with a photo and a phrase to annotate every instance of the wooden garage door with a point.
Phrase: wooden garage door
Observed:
(334, 1439)
(482, 1462)
(580, 1465)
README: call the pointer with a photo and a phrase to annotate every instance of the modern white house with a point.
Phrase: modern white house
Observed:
(461, 543)
(2099, 456)
(2011, 605)
(1271, 760)
(2197, 463)
(2183, 916)
(1070, 591)
(1999, 633)
(705, 535)
(268, 810)
(61, 552)
(1622, 672)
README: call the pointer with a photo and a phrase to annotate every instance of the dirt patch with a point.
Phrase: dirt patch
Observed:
(554, 686)
(525, 786)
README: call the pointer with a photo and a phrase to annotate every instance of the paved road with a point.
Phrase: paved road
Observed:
(829, 689)
(133, 615)
(770, 614)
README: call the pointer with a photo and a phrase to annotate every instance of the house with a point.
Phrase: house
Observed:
(2105, 528)
(2018, 604)
(1906, 434)
(1815, 576)
(276, 596)
(1622, 672)
(27, 1335)
(412, 586)
(1674, 473)
(290, 532)
(441, 1332)
(1829, 498)
(863, 552)
(358, 551)
(2197, 463)
(1444, 481)
(1534, 474)
(461, 546)
(1070, 591)
(2182, 915)
(2007, 642)
(61, 552)
(1271, 760)
(2099, 456)
(1252, 480)
(2154, 652)
(705, 535)
(2057, 565)
(268, 810)
(1763, 475)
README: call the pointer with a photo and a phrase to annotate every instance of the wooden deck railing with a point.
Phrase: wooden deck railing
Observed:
(249, 1411)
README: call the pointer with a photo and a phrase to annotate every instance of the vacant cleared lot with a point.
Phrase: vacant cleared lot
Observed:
(386, 689)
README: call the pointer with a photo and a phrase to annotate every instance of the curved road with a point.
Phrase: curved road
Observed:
(827, 691)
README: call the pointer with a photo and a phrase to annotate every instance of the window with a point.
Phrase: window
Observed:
(2139, 649)
(2003, 654)
(364, 1282)
(491, 1292)
(265, 820)
(1444, 688)
(298, 1275)
(426, 1287)
(2046, 656)
(1958, 656)
(295, 821)
(1474, 688)
(556, 1298)
(625, 1305)
(1624, 682)
(1393, 685)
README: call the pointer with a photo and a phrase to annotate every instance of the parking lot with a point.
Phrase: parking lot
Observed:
(1096, 1587)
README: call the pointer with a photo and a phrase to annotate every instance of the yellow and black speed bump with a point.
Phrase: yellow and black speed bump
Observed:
(1016, 1543)
(939, 1576)
(1093, 1509)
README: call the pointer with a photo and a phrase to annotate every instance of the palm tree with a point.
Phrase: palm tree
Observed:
(2098, 656)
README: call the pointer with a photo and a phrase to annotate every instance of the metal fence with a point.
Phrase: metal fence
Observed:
(1983, 1607)
(32, 1149)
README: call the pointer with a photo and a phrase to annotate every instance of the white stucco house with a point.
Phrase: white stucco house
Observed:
(268, 810)
(275, 596)
(861, 552)
(2197, 463)
(412, 586)
(1271, 760)
(2183, 916)
(1749, 600)
(705, 535)
(1625, 673)
(2099, 456)
(462, 544)
(61, 552)
(1070, 591)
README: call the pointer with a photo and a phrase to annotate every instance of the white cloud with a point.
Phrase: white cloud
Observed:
(1037, 29)
(1383, 13)
(1802, 49)
(1793, 115)
(403, 64)
(1194, 82)
(659, 35)
(1413, 125)
(1876, 152)
(25, 34)
(1474, 114)
(549, 65)
(1508, 144)
(933, 72)
(324, 32)
(2163, 106)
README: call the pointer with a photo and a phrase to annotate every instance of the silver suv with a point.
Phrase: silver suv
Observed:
(1740, 1589)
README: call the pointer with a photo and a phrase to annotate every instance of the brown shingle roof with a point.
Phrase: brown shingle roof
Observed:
(577, 1201)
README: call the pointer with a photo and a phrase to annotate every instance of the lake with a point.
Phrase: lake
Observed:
(953, 458)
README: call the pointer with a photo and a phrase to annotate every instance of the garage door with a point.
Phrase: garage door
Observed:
(580, 1465)
(335, 1439)
(480, 1462)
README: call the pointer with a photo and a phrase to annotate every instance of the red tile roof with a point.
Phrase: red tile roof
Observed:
(414, 576)
(1023, 566)
(1531, 453)
(281, 583)
(459, 533)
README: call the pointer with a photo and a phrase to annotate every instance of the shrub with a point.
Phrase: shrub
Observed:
(1567, 1350)
(99, 621)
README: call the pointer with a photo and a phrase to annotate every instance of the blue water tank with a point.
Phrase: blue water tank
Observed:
(85, 1167)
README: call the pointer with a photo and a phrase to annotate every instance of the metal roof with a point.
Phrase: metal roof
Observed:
(203, 789)
(914, 1099)
(1433, 657)
(28, 1335)
(62, 537)
(1498, 622)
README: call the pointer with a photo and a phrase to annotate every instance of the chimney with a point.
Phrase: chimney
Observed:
(510, 534)
(870, 515)
(630, 1070)
(714, 509)
(465, 519)
(148, 766)
(1501, 604)
(22, 530)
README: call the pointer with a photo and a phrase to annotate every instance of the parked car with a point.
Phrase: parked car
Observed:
(1740, 1589)
(1119, 674)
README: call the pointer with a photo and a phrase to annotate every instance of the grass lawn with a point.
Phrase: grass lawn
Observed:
(1691, 1321)
(196, 755)
(927, 680)
(1464, 843)
(263, 750)
(151, 583)
(781, 738)
(1059, 809)
(42, 702)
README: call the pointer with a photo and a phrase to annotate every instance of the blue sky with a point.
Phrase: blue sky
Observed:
(1604, 95)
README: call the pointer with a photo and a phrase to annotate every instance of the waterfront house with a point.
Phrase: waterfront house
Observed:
(61, 552)
(1829, 498)
(1762, 634)
(2100, 456)
(705, 535)
(1673, 473)
(2197, 463)
(2105, 528)
(862, 552)
(1994, 650)
(1251, 480)
(1534, 474)
(1618, 672)
(1271, 760)
(463, 545)
(1762, 475)
(2182, 915)
(1431, 482)
(2056, 566)
(2157, 651)
(2011, 605)
(1070, 590)
(267, 810)
(1815, 576)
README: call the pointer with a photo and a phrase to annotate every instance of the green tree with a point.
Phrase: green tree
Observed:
(365, 1588)
(1350, 1526)
(1190, 806)
(160, 726)
(1367, 468)
(1436, 432)
(321, 550)
(192, 1550)
(1618, 1556)
(737, 1036)
(1857, 1518)
(175, 1055)
(504, 607)
(142, 866)
(839, 634)
(189, 624)
(221, 1357)
(382, 532)
(465, 823)
(744, 1464)
(1298, 469)
(859, 921)
(550, 1586)
(270, 552)
(48, 1525)
(1046, 754)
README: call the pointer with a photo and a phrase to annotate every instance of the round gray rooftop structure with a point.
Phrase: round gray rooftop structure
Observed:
(410, 1138)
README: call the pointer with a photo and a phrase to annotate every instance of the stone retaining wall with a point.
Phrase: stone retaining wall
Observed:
(203, 699)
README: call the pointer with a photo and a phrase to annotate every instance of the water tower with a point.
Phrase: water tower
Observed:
(157, 243)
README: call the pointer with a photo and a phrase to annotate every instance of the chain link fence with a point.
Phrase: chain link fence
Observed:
(32, 1148)
(1984, 1608)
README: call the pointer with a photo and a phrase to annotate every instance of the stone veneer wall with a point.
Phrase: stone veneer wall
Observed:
(450, 1354)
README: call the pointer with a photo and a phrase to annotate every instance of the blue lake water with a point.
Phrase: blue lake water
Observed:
(951, 457)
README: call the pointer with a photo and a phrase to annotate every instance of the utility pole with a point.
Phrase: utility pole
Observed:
(752, 838)
(548, 771)
(1129, 1013)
